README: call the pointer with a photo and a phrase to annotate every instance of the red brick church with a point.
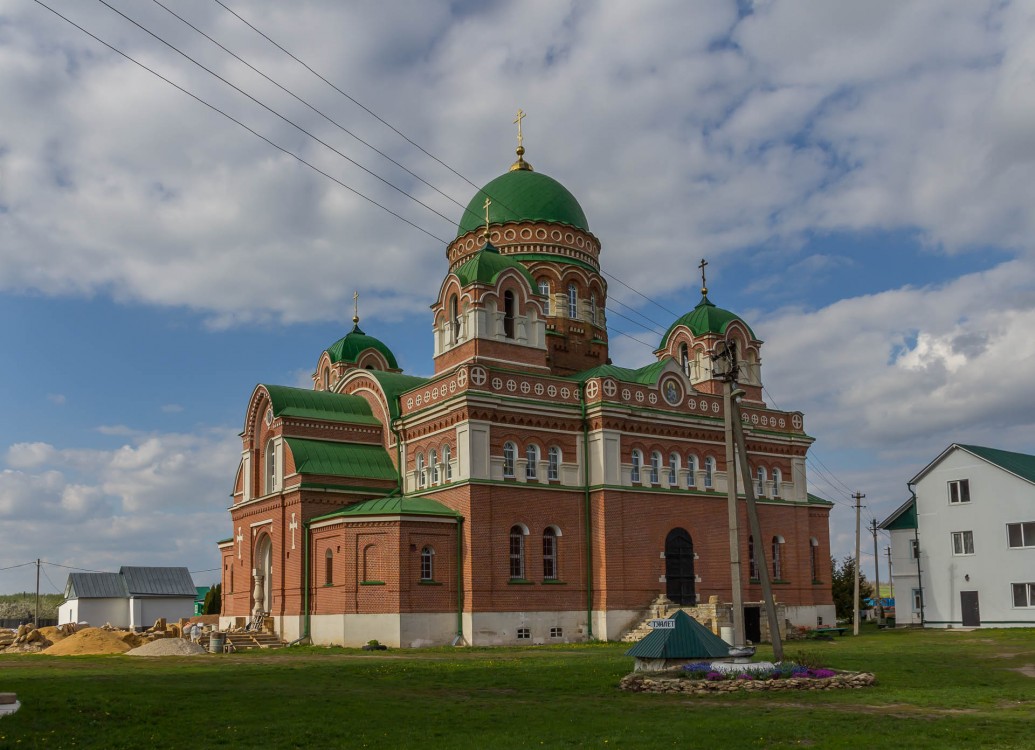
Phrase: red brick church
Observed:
(529, 491)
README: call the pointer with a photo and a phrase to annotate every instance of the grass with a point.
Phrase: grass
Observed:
(937, 690)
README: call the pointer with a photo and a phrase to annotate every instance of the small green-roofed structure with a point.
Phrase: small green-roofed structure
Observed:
(349, 347)
(394, 384)
(325, 405)
(354, 460)
(392, 506)
(688, 641)
(705, 318)
(486, 265)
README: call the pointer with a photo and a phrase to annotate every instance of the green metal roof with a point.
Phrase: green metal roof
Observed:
(903, 518)
(705, 318)
(689, 639)
(393, 506)
(817, 500)
(523, 195)
(341, 459)
(354, 343)
(1020, 464)
(485, 266)
(394, 384)
(325, 405)
(647, 375)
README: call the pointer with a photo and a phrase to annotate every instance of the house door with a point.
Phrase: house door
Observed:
(971, 611)
(679, 567)
(753, 624)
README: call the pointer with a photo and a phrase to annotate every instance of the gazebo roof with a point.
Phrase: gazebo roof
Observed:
(689, 639)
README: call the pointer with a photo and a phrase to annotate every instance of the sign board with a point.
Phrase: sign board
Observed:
(662, 624)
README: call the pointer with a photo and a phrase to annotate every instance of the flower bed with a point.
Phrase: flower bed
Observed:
(701, 678)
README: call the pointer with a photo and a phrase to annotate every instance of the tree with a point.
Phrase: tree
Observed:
(842, 578)
(213, 600)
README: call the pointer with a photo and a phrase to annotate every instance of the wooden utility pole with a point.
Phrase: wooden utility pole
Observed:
(876, 572)
(855, 602)
(734, 525)
(36, 622)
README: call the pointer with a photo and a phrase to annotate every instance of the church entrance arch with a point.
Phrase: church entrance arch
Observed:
(262, 574)
(679, 567)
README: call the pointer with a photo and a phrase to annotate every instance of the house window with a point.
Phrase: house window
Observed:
(777, 559)
(914, 549)
(813, 561)
(447, 455)
(760, 488)
(517, 552)
(691, 472)
(556, 632)
(544, 289)
(509, 309)
(777, 478)
(326, 378)
(433, 460)
(421, 476)
(709, 472)
(271, 467)
(593, 309)
(673, 469)
(553, 464)
(918, 600)
(655, 467)
(1024, 594)
(427, 564)
(752, 563)
(573, 302)
(550, 554)
(1021, 534)
(454, 319)
(328, 568)
(637, 461)
(532, 457)
(963, 542)
(959, 491)
(509, 459)
(524, 634)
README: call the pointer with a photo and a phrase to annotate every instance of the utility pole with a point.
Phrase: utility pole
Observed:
(730, 356)
(876, 572)
(891, 579)
(36, 622)
(855, 602)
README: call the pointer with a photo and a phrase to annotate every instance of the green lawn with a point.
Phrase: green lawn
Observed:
(937, 690)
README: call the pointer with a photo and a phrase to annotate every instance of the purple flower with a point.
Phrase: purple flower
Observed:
(714, 676)
(819, 674)
(745, 676)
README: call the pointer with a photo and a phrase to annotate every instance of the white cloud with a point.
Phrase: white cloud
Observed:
(58, 399)
(171, 408)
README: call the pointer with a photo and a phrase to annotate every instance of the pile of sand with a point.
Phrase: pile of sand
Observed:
(167, 647)
(91, 641)
(53, 634)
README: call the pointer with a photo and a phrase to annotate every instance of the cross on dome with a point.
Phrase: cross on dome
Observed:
(704, 284)
(520, 163)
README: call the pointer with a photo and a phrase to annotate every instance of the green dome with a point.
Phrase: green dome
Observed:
(705, 318)
(523, 195)
(485, 266)
(349, 348)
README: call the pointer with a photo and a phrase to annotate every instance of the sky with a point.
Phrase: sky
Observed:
(859, 176)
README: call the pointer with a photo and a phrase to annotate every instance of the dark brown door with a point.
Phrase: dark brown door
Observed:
(679, 567)
(971, 611)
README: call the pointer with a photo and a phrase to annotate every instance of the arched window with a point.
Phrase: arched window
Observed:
(655, 467)
(421, 476)
(509, 459)
(327, 378)
(553, 466)
(433, 461)
(813, 561)
(447, 455)
(673, 469)
(709, 472)
(509, 312)
(752, 563)
(573, 302)
(593, 309)
(637, 462)
(777, 479)
(691, 471)
(760, 487)
(427, 564)
(271, 466)
(777, 562)
(454, 319)
(544, 289)
(328, 568)
(684, 359)
(517, 552)
(550, 554)
(532, 461)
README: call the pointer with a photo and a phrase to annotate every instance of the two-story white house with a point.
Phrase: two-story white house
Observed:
(963, 547)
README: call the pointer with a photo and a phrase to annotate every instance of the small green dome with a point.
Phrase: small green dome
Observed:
(486, 265)
(348, 348)
(706, 318)
(523, 195)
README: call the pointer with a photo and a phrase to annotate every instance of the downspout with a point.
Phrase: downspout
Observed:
(916, 537)
(458, 640)
(589, 531)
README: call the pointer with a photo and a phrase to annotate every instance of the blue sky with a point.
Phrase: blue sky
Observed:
(859, 177)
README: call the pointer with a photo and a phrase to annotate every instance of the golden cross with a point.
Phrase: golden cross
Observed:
(355, 307)
(487, 204)
(520, 117)
(704, 284)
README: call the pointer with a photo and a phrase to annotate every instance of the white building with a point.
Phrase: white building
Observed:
(132, 598)
(963, 547)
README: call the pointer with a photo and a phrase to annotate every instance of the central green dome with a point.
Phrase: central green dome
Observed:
(523, 195)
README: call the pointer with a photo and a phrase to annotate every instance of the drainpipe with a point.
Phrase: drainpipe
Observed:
(458, 640)
(916, 537)
(589, 531)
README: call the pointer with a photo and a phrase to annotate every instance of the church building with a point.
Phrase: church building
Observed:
(529, 491)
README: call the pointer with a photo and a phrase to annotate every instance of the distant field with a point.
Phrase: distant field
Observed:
(17, 605)
(938, 689)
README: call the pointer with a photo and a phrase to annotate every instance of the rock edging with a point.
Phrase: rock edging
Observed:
(639, 683)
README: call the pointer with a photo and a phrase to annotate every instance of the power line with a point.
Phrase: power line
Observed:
(22, 565)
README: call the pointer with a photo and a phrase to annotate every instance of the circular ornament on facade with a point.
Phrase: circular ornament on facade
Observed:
(555, 235)
(269, 416)
(525, 387)
(764, 420)
(610, 389)
(754, 419)
(469, 244)
(511, 385)
(626, 394)
(652, 397)
(494, 237)
(540, 234)
(783, 422)
(551, 391)
(672, 390)
(427, 396)
(434, 392)
(418, 400)
(715, 406)
(565, 392)
(745, 418)
(510, 234)
(539, 389)
(580, 241)
(592, 389)
(452, 386)
(639, 397)
(691, 403)
(497, 384)
(478, 376)
(796, 421)
(526, 234)
(569, 237)
(409, 403)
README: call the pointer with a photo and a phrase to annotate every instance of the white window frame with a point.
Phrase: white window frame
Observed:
(516, 542)
(959, 491)
(532, 461)
(673, 469)
(691, 471)
(550, 537)
(271, 467)
(427, 563)
(1025, 531)
(655, 467)
(959, 543)
(544, 289)
(447, 458)
(1028, 592)
(777, 479)
(918, 600)
(553, 466)
(778, 558)
(760, 484)
(509, 459)
(433, 464)
(524, 634)
(637, 462)
(422, 477)
(709, 473)
(573, 302)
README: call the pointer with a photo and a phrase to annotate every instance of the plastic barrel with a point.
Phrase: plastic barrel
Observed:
(215, 643)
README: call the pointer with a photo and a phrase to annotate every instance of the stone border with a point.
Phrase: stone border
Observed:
(638, 683)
